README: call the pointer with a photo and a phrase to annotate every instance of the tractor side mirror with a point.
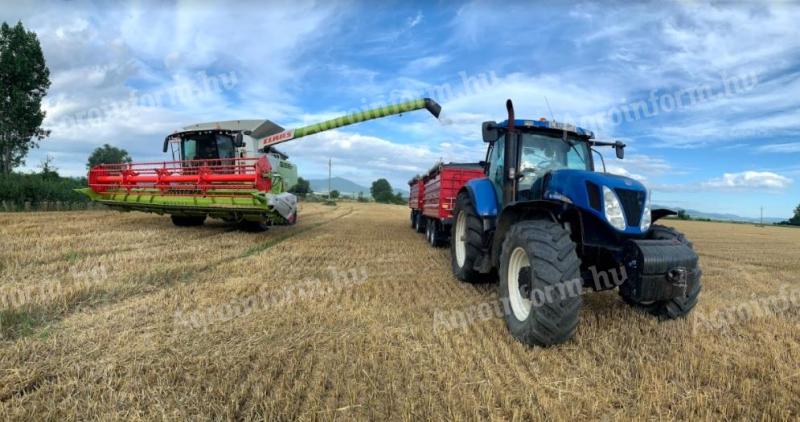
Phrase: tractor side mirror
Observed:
(238, 140)
(490, 133)
(619, 148)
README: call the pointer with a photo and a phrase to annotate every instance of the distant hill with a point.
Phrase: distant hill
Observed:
(723, 216)
(345, 186)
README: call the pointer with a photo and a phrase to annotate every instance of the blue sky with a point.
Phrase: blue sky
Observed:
(705, 95)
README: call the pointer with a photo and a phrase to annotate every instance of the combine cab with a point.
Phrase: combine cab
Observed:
(228, 170)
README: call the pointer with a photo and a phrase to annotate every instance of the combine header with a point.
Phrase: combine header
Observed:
(228, 170)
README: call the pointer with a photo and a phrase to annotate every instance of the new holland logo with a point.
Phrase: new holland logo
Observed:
(276, 138)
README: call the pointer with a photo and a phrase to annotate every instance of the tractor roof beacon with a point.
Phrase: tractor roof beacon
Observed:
(551, 225)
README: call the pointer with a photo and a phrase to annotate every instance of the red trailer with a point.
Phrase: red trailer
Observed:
(441, 186)
(416, 199)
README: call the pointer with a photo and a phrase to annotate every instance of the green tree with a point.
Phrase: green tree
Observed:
(24, 79)
(795, 220)
(381, 191)
(301, 188)
(107, 154)
(49, 171)
(334, 194)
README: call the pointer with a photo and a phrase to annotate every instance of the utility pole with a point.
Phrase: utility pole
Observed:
(762, 216)
(329, 178)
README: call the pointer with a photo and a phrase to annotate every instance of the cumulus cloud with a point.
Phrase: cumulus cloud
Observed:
(749, 180)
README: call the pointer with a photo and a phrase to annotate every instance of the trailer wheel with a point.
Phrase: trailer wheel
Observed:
(540, 285)
(188, 220)
(465, 240)
(671, 308)
(419, 223)
(434, 233)
(413, 219)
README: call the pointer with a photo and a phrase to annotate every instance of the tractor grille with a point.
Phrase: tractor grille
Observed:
(594, 195)
(632, 204)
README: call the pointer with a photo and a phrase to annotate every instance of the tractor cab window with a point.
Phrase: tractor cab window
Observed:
(496, 173)
(541, 153)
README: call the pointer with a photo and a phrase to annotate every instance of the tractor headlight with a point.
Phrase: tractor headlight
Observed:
(646, 215)
(614, 213)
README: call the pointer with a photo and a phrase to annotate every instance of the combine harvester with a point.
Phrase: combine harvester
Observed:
(541, 217)
(228, 170)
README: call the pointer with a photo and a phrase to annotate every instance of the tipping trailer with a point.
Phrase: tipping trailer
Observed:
(416, 200)
(442, 184)
(228, 170)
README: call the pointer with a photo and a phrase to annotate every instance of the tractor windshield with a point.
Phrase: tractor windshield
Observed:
(543, 152)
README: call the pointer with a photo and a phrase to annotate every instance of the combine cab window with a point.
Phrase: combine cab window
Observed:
(188, 149)
(225, 146)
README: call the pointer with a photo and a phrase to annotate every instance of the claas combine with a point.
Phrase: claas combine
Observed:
(229, 170)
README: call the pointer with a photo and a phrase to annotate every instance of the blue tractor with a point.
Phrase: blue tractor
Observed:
(552, 227)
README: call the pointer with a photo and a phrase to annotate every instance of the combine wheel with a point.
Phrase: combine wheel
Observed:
(465, 240)
(188, 221)
(254, 226)
(413, 219)
(540, 283)
(672, 308)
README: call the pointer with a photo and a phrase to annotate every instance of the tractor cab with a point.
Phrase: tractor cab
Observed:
(538, 148)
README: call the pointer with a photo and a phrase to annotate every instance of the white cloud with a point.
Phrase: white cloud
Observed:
(749, 180)
(781, 148)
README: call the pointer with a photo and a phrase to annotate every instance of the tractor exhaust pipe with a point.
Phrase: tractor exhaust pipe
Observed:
(510, 109)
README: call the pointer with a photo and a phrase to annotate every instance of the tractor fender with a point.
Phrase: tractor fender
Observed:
(660, 213)
(484, 199)
(521, 211)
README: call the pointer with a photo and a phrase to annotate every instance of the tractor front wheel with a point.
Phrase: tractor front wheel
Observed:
(188, 220)
(540, 285)
(671, 308)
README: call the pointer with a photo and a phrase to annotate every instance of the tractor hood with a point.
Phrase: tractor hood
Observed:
(584, 189)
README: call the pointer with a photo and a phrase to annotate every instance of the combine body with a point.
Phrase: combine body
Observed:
(441, 186)
(228, 170)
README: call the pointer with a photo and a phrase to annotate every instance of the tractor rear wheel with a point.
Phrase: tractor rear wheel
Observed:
(465, 240)
(672, 308)
(188, 220)
(540, 285)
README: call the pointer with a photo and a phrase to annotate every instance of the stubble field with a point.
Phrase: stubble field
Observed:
(351, 315)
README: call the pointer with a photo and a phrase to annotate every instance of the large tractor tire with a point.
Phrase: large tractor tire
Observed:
(188, 220)
(540, 285)
(465, 240)
(672, 308)
(413, 219)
